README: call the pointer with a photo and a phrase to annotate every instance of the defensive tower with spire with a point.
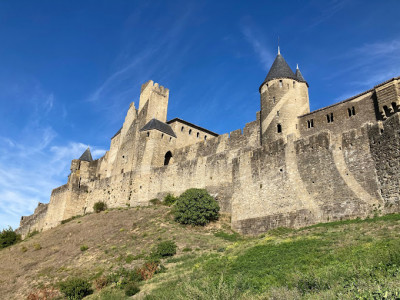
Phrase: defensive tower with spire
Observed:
(284, 97)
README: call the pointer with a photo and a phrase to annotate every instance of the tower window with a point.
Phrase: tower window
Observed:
(190, 131)
(279, 128)
(310, 123)
(148, 134)
(351, 111)
(280, 83)
(329, 118)
(162, 135)
(167, 158)
(205, 137)
(182, 128)
(198, 135)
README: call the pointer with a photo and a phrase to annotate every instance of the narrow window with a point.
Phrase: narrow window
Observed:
(167, 158)
(279, 128)
(198, 135)
(205, 137)
(182, 128)
(170, 139)
(294, 83)
(280, 83)
(162, 135)
(190, 131)
(148, 134)
(277, 113)
(351, 111)
(273, 99)
(329, 118)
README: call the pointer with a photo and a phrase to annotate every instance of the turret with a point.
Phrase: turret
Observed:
(153, 103)
(284, 97)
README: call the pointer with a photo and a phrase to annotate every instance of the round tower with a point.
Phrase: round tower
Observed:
(284, 97)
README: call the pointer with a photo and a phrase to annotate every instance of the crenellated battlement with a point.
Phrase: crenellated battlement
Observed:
(289, 167)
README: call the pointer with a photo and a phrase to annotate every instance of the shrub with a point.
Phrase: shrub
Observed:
(84, 248)
(101, 282)
(75, 288)
(147, 270)
(196, 207)
(124, 276)
(24, 249)
(155, 201)
(169, 200)
(37, 246)
(163, 249)
(8, 237)
(131, 289)
(99, 206)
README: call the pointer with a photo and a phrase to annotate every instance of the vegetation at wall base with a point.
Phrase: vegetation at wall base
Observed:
(196, 207)
(8, 237)
(169, 200)
(99, 206)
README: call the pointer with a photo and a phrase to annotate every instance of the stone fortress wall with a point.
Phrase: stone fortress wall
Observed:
(290, 167)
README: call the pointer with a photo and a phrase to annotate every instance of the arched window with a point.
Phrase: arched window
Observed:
(167, 158)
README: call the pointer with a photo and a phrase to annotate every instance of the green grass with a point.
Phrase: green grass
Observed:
(352, 259)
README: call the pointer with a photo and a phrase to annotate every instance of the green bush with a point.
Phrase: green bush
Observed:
(155, 201)
(169, 200)
(163, 249)
(131, 289)
(196, 207)
(8, 237)
(99, 206)
(84, 248)
(75, 288)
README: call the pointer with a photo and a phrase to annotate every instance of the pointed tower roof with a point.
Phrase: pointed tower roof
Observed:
(299, 76)
(86, 156)
(279, 69)
(160, 126)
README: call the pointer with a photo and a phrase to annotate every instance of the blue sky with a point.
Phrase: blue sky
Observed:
(69, 69)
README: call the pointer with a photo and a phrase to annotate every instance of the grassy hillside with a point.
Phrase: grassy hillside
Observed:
(346, 260)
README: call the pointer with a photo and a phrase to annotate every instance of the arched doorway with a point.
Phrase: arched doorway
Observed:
(167, 158)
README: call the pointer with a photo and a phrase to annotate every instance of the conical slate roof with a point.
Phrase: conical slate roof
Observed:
(279, 69)
(160, 126)
(299, 76)
(86, 156)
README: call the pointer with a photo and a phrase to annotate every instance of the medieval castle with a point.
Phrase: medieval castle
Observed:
(290, 167)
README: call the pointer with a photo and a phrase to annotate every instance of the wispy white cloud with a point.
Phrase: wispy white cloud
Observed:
(259, 48)
(370, 64)
(328, 10)
(136, 65)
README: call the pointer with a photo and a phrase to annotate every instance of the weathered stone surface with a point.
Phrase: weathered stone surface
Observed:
(343, 164)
